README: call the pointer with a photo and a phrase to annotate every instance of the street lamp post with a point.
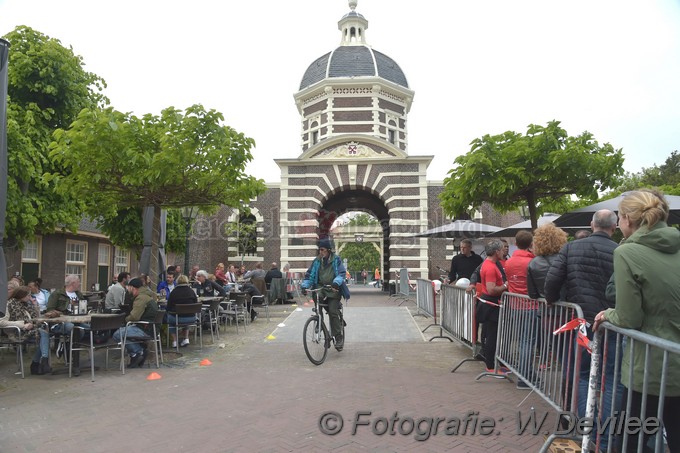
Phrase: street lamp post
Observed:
(188, 214)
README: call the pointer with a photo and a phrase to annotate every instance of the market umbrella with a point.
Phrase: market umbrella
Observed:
(459, 229)
(526, 225)
(583, 216)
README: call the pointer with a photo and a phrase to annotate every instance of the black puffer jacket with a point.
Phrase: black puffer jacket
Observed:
(536, 272)
(583, 267)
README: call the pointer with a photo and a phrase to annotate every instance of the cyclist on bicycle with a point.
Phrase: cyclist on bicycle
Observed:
(327, 269)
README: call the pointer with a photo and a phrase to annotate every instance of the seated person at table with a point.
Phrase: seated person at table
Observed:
(182, 294)
(165, 287)
(38, 294)
(59, 303)
(21, 311)
(144, 308)
(251, 290)
(220, 275)
(115, 296)
(205, 287)
(255, 273)
(274, 272)
(230, 285)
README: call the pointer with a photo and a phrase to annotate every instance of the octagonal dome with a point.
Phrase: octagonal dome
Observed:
(353, 61)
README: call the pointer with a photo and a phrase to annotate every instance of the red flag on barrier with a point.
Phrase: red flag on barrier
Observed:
(582, 336)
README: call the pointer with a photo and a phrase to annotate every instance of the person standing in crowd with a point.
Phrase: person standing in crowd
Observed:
(144, 308)
(328, 269)
(646, 276)
(464, 263)
(22, 312)
(40, 295)
(182, 294)
(580, 273)
(516, 265)
(506, 252)
(115, 296)
(548, 240)
(516, 271)
(581, 234)
(491, 288)
(364, 276)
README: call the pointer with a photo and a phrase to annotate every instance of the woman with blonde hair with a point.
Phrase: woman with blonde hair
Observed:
(646, 276)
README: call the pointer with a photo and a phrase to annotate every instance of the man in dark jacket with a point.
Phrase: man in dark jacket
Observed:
(144, 308)
(274, 272)
(583, 268)
(464, 263)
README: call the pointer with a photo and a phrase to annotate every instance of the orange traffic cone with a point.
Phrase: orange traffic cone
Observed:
(205, 362)
(153, 376)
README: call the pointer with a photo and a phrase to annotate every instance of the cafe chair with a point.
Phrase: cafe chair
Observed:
(277, 290)
(184, 310)
(11, 339)
(98, 322)
(152, 328)
(213, 311)
(262, 300)
(237, 309)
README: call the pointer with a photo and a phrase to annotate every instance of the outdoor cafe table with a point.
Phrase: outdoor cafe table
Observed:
(74, 319)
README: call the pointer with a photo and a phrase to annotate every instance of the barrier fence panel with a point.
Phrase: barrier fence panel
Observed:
(640, 404)
(426, 301)
(458, 318)
(529, 347)
(425, 298)
(406, 293)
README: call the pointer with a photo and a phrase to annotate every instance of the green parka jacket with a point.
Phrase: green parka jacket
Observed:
(647, 280)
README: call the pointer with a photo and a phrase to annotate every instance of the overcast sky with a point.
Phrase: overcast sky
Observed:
(611, 67)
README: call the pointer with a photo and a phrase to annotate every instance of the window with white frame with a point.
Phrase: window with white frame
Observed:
(122, 261)
(76, 259)
(30, 259)
(104, 255)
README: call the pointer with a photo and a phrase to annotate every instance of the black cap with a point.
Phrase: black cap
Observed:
(136, 282)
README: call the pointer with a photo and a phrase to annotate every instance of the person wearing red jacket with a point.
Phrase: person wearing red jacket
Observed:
(516, 266)
(527, 319)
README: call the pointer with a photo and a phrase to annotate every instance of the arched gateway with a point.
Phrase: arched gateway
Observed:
(353, 103)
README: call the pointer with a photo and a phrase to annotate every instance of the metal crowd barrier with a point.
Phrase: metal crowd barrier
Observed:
(458, 318)
(613, 404)
(404, 293)
(545, 362)
(426, 302)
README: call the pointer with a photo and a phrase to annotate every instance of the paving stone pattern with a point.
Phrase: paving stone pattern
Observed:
(263, 395)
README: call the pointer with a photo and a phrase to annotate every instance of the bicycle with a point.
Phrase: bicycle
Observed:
(315, 335)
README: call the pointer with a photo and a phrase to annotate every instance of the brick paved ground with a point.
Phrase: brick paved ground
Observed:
(264, 395)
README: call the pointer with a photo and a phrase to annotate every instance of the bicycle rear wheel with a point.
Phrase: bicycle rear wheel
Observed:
(316, 340)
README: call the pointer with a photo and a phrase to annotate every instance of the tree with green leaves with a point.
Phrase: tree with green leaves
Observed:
(540, 170)
(116, 160)
(47, 88)
(244, 230)
(363, 220)
(360, 256)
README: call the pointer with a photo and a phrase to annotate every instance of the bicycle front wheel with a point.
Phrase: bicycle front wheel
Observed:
(316, 340)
